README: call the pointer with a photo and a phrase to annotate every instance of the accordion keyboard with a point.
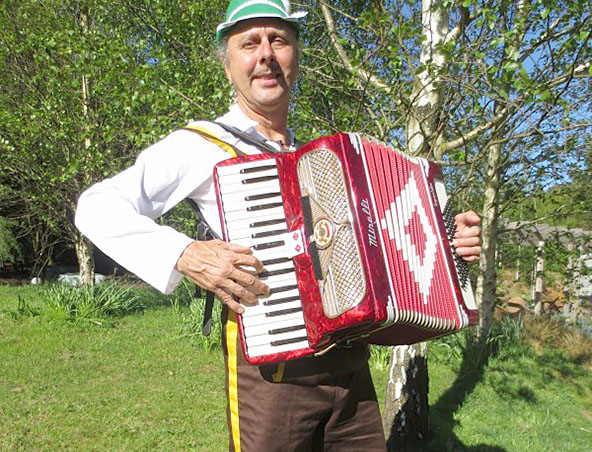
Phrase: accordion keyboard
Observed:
(254, 216)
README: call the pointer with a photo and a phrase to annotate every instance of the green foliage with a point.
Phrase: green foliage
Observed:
(88, 86)
(9, 247)
(380, 357)
(91, 304)
(23, 309)
(192, 318)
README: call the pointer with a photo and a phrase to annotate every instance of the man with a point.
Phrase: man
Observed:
(325, 403)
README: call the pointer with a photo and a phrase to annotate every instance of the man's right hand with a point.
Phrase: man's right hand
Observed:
(225, 269)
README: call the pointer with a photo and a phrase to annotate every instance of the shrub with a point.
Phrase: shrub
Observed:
(91, 304)
(9, 248)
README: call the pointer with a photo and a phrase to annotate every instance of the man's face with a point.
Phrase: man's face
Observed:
(262, 63)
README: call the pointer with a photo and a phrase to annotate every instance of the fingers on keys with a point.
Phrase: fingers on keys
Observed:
(227, 270)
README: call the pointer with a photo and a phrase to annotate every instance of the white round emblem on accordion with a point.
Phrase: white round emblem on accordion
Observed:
(323, 233)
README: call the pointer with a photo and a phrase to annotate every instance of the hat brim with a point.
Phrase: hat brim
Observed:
(293, 19)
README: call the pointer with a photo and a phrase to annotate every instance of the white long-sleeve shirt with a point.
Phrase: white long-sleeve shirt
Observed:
(118, 214)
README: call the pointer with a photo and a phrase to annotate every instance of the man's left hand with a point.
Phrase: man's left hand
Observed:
(467, 239)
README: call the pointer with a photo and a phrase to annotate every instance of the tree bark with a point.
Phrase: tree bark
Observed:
(86, 262)
(538, 288)
(404, 416)
(84, 248)
(486, 282)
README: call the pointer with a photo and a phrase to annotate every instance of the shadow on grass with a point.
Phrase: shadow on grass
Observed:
(475, 356)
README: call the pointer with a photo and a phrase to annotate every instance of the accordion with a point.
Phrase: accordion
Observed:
(355, 238)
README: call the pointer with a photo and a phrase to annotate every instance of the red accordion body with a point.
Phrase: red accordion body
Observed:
(355, 240)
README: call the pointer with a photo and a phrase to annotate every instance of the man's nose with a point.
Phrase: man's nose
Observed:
(265, 51)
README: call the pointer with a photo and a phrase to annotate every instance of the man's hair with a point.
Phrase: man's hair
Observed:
(222, 49)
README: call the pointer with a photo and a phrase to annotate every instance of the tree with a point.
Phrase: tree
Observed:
(477, 85)
(88, 84)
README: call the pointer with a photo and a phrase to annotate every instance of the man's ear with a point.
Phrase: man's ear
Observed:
(227, 71)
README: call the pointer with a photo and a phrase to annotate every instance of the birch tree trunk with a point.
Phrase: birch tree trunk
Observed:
(486, 282)
(86, 262)
(405, 413)
(84, 248)
(404, 417)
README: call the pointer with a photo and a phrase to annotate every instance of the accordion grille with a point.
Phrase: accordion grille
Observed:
(327, 183)
(343, 288)
(321, 179)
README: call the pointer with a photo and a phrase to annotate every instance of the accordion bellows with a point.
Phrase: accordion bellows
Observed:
(355, 238)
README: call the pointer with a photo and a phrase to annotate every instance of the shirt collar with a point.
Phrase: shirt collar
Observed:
(237, 118)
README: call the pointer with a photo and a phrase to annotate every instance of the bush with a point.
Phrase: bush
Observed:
(9, 248)
(91, 304)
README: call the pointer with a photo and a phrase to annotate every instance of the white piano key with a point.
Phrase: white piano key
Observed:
(255, 224)
(263, 350)
(275, 283)
(240, 196)
(267, 339)
(279, 296)
(237, 178)
(274, 242)
(242, 233)
(271, 185)
(271, 253)
(260, 309)
(262, 330)
(244, 205)
(280, 266)
(236, 168)
(264, 320)
(276, 212)
(287, 279)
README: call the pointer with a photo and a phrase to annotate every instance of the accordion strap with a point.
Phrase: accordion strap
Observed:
(204, 231)
(207, 135)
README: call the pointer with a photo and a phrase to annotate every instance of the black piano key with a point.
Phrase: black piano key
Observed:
(281, 300)
(255, 180)
(272, 205)
(259, 224)
(282, 289)
(266, 246)
(255, 169)
(288, 341)
(283, 312)
(262, 196)
(269, 233)
(281, 271)
(288, 329)
(279, 260)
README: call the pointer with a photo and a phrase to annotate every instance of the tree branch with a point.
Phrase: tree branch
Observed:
(360, 73)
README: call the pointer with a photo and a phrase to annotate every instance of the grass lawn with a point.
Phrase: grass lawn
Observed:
(136, 386)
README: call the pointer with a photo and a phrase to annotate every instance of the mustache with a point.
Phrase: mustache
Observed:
(265, 73)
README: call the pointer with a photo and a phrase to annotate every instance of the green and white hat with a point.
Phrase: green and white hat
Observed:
(253, 9)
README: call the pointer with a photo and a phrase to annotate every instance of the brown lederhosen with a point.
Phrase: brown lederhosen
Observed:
(311, 404)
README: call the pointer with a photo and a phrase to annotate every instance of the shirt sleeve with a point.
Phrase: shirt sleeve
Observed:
(118, 214)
